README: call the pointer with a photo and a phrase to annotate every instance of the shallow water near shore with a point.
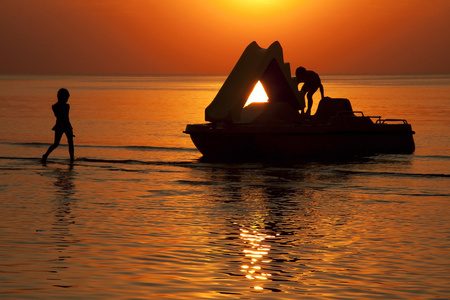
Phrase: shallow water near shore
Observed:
(140, 216)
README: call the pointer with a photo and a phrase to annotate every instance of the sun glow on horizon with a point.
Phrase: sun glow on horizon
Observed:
(257, 8)
(258, 94)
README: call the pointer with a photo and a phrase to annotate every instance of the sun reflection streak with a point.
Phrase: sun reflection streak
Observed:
(256, 251)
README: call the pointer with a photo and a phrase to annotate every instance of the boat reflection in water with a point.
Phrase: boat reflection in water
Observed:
(275, 129)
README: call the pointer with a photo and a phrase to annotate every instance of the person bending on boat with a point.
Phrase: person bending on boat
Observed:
(61, 111)
(311, 84)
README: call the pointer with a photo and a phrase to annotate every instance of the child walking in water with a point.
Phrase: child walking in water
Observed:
(61, 111)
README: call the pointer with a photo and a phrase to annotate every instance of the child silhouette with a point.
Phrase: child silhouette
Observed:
(311, 84)
(61, 111)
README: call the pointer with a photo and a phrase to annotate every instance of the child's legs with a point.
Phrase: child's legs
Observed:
(310, 90)
(69, 135)
(310, 100)
(301, 101)
(58, 135)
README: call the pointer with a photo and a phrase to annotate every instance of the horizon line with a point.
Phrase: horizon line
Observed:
(215, 74)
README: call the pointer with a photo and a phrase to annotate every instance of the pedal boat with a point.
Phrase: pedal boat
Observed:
(275, 129)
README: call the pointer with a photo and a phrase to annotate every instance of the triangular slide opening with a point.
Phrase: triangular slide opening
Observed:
(258, 95)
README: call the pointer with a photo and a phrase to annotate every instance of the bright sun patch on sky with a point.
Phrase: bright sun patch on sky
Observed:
(256, 8)
(258, 94)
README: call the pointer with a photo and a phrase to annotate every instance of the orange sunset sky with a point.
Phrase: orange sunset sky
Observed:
(208, 36)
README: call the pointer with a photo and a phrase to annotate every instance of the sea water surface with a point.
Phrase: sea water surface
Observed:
(140, 216)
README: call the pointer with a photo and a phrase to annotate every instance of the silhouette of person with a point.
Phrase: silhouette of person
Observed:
(311, 84)
(61, 111)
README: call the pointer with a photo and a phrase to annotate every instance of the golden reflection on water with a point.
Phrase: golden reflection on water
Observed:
(256, 253)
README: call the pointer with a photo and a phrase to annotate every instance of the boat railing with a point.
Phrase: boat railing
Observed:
(384, 121)
(350, 113)
(378, 119)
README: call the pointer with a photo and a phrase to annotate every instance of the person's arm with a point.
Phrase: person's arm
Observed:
(321, 91)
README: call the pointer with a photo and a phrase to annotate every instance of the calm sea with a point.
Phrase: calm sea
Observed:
(139, 216)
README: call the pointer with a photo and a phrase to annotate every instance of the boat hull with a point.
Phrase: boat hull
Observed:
(297, 141)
